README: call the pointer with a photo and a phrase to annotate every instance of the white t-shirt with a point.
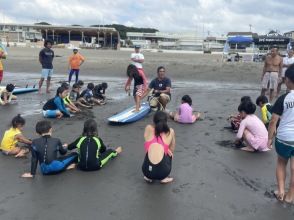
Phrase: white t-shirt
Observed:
(137, 56)
(284, 107)
(287, 61)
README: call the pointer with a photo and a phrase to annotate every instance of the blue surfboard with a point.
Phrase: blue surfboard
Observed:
(17, 91)
(128, 115)
(22, 90)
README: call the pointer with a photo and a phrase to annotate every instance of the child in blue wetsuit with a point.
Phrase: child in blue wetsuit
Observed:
(92, 153)
(45, 150)
(55, 108)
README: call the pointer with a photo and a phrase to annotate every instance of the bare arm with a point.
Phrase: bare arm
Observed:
(172, 145)
(281, 67)
(22, 139)
(272, 129)
(146, 93)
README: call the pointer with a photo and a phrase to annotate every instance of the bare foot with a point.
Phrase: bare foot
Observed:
(27, 175)
(48, 91)
(118, 149)
(279, 196)
(135, 110)
(72, 166)
(40, 92)
(288, 199)
(22, 153)
(167, 180)
(248, 149)
(147, 179)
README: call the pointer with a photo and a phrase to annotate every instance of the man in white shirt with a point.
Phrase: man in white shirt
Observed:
(137, 58)
(287, 61)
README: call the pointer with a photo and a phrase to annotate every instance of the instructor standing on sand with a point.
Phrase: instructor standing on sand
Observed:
(272, 71)
(46, 56)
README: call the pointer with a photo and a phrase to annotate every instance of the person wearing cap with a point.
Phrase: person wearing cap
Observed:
(74, 63)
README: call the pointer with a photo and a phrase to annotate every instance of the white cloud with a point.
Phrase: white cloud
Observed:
(216, 16)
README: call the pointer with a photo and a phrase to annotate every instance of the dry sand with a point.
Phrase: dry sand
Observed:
(212, 180)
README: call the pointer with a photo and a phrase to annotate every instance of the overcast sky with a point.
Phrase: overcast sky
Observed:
(216, 16)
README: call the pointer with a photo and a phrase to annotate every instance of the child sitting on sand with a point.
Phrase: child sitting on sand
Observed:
(140, 84)
(92, 152)
(99, 91)
(185, 113)
(55, 108)
(67, 101)
(265, 108)
(251, 130)
(45, 151)
(87, 94)
(12, 138)
(6, 94)
(236, 119)
(75, 98)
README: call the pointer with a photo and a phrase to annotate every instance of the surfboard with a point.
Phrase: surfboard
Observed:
(22, 90)
(128, 115)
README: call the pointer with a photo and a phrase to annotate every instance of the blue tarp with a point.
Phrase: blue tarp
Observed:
(239, 39)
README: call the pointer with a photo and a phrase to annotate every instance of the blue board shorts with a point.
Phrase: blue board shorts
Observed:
(46, 73)
(283, 149)
(50, 113)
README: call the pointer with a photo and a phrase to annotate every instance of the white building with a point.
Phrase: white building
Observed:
(160, 40)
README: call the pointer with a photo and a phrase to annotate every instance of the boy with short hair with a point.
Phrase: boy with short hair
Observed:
(99, 91)
(68, 102)
(6, 94)
(76, 98)
(265, 108)
(45, 151)
(283, 111)
(88, 95)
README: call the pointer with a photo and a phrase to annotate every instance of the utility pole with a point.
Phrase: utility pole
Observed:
(250, 26)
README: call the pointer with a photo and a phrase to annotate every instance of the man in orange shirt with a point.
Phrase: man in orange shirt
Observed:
(75, 61)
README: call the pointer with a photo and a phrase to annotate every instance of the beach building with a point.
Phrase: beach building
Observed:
(167, 41)
(214, 43)
(265, 42)
(21, 34)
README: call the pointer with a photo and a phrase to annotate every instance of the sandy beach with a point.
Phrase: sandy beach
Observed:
(212, 179)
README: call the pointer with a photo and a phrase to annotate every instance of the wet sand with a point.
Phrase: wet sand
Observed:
(212, 180)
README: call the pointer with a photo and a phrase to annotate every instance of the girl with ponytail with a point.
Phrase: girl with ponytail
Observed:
(159, 147)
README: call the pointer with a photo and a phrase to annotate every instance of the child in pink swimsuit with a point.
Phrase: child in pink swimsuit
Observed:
(252, 130)
(185, 113)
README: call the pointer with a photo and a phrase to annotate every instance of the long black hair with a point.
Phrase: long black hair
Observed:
(160, 122)
(90, 128)
(18, 120)
(60, 90)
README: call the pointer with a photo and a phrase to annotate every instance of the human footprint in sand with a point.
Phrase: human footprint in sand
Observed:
(283, 112)
(252, 131)
(159, 147)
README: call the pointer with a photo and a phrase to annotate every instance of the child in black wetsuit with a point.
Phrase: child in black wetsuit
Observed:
(92, 153)
(45, 149)
(99, 91)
